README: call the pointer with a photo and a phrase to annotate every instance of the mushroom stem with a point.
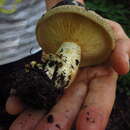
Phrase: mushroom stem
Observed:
(62, 67)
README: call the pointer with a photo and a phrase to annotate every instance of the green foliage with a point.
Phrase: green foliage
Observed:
(124, 84)
(118, 12)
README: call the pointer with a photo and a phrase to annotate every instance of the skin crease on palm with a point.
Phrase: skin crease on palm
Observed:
(96, 82)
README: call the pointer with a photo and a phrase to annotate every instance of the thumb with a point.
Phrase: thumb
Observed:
(120, 56)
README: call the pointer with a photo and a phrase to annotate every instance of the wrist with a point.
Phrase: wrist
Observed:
(52, 3)
(81, 1)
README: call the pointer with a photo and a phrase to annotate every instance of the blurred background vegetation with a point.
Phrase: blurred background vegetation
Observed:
(119, 11)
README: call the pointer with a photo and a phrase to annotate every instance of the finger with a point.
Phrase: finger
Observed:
(27, 120)
(118, 30)
(98, 103)
(64, 112)
(120, 56)
(14, 105)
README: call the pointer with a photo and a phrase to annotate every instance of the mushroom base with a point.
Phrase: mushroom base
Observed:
(35, 89)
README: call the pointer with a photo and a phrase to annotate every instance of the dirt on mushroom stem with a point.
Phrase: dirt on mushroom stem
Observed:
(36, 89)
(53, 74)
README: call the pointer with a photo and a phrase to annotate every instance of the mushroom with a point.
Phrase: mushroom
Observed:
(81, 38)
(71, 37)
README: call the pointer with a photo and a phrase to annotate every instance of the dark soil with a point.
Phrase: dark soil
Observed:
(120, 116)
(119, 119)
(35, 89)
(30, 84)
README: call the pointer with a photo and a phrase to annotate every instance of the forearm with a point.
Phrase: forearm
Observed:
(51, 3)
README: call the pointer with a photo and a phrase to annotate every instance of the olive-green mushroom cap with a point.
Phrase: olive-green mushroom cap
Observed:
(70, 23)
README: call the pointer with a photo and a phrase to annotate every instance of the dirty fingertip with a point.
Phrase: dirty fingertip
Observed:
(91, 119)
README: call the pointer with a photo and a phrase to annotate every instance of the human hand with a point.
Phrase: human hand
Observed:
(95, 86)
(120, 62)
(94, 90)
(121, 54)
